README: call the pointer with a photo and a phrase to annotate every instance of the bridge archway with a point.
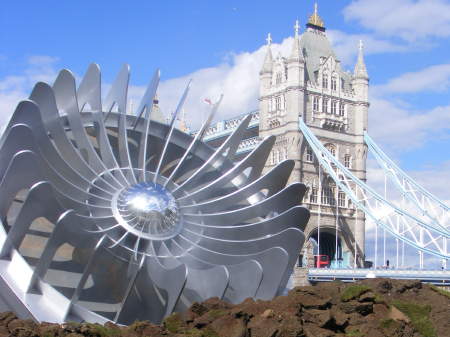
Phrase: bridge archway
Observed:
(326, 245)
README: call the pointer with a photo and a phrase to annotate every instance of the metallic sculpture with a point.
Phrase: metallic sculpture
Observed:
(153, 219)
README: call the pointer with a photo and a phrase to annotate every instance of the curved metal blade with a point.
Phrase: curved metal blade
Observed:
(254, 161)
(171, 128)
(197, 137)
(89, 91)
(146, 105)
(289, 197)
(273, 182)
(226, 151)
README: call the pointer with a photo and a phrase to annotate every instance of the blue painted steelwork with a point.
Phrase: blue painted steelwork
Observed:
(415, 191)
(343, 177)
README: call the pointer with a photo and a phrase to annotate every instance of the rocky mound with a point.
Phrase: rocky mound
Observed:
(370, 308)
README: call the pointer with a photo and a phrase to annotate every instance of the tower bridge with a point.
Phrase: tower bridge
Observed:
(319, 113)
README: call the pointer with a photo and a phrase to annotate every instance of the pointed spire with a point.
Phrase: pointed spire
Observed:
(269, 39)
(296, 28)
(296, 53)
(360, 67)
(268, 61)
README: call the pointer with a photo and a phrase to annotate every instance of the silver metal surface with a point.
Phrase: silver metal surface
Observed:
(109, 216)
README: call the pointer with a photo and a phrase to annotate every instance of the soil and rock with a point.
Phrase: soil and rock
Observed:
(372, 308)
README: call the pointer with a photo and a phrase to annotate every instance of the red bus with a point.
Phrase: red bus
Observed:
(321, 261)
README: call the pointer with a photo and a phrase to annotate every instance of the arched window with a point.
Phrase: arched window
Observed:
(325, 105)
(341, 199)
(327, 196)
(348, 161)
(278, 103)
(341, 109)
(332, 148)
(274, 157)
(325, 81)
(334, 83)
(313, 195)
(333, 107)
(278, 78)
(309, 154)
(315, 103)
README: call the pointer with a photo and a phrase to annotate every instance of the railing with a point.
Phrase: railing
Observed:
(226, 127)
(437, 277)
(248, 144)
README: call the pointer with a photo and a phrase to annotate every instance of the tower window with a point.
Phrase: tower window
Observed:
(281, 155)
(333, 107)
(333, 83)
(278, 103)
(325, 105)
(325, 81)
(309, 154)
(342, 84)
(341, 199)
(341, 109)
(330, 147)
(313, 195)
(315, 103)
(278, 78)
(274, 157)
(328, 195)
(348, 161)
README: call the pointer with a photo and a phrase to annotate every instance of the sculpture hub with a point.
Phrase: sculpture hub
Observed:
(148, 210)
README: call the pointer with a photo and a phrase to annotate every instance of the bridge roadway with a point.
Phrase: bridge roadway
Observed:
(436, 277)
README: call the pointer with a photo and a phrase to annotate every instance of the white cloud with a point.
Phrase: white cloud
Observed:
(395, 123)
(405, 129)
(15, 88)
(436, 179)
(435, 78)
(237, 78)
(410, 20)
(346, 45)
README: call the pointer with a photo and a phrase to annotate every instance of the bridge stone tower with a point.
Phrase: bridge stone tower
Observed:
(311, 84)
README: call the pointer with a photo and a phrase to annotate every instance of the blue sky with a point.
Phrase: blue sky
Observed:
(220, 44)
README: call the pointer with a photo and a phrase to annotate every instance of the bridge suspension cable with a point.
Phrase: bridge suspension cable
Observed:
(402, 225)
(428, 205)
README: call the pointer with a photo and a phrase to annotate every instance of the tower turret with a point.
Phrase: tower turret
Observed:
(296, 61)
(265, 75)
(360, 76)
(360, 85)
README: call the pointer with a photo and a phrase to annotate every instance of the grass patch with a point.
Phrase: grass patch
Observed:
(379, 299)
(102, 331)
(216, 313)
(354, 333)
(207, 332)
(388, 323)
(440, 291)
(419, 316)
(173, 323)
(354, 291)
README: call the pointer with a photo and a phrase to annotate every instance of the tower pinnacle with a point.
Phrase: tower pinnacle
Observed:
(269, 39)
(296, 27)
(360, 67)
(268, 61)
(296, 53)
